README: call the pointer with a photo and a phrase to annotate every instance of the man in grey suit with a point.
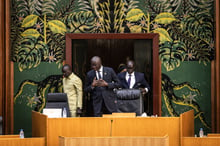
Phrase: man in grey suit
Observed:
(100, 82)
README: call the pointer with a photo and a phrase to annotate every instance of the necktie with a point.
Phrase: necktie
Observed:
(99, 74)
(129, 80)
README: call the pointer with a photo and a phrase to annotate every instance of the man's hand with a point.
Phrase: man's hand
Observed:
(95, 82)
(143, 91)
(102, 83)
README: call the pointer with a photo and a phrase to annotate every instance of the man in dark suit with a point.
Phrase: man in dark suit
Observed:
(133, 80)
(100, 82)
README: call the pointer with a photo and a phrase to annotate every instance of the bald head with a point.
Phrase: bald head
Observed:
(130, 66)
(67, 70)
(96, 63)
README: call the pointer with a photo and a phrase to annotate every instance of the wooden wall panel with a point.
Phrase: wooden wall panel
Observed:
(2, 46)
(148, 127)
(114, 141)
(217, 65)
(187, 124)
(204, 141)
(76, 127)
(9, 136)
(213, 135)
(22, 141)
(39, 125)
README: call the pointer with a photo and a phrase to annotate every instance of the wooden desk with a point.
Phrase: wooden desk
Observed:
(22, 141)
(52, 128)
(148, 127)
(9, 136)
(213, 135)
(124, 115)
(197, 141)
(114, 141)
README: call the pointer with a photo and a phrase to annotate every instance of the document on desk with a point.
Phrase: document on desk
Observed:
(53, 112)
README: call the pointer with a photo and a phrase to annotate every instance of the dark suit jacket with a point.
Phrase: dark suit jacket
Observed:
(99, 94)
(140, 81)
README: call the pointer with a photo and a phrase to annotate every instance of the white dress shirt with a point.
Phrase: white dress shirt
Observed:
(132, 80)
(101, 73)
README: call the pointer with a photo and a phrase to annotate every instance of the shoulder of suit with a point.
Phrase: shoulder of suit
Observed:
(90, 72)
(139, 73)
(122, 74)
(104, 67)
(108, 69)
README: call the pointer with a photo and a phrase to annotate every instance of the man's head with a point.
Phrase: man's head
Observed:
(130, 66)
(96, 63)
(67, 70)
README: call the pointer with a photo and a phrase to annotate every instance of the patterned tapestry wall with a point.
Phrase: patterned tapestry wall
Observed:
(185, 27)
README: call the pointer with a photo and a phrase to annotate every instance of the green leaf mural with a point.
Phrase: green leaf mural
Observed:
(57, 26)
(31, 33)
(118, 16)
(81, 22)
(38, 30)
(33, 26)
(172, 54)
(155, 7)
(179, 95)
(164, 35)
(134, 15)
(130, 4)
(87, 5)
(199, 24)
(29, 21)
(165, 18)
(20, 8)
(104, 18)
(49, 7)
(196, 33)
(30, 53)
(56, 49)
(136, 29)
(112, 16)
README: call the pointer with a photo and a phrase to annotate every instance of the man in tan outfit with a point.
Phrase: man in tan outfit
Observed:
(72, 86)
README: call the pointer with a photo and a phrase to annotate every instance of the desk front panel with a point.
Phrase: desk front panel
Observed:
(148, 127)
(204, 141)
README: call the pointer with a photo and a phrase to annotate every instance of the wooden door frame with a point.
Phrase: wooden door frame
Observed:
(6, 67)
(155, 52)
(215, 72)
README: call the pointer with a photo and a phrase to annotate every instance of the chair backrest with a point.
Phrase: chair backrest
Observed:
(129, 101)
(57, 100)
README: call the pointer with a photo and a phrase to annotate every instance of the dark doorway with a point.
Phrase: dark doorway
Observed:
(112, 52)
(115, 51)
